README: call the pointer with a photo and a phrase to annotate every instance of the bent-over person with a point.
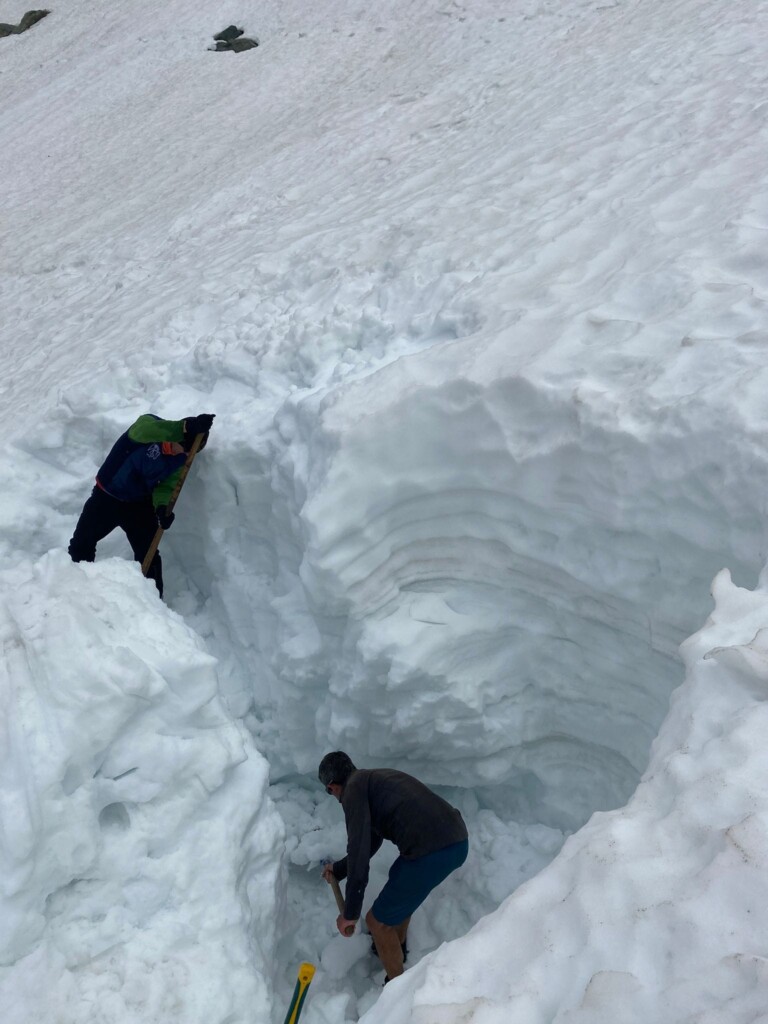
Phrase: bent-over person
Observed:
(379, 804)
(134, 487)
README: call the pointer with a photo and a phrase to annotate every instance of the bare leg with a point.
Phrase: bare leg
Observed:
(402, 930)
(387, 945)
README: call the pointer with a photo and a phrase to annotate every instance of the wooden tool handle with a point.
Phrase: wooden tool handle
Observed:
(152, 549)
(337, 893)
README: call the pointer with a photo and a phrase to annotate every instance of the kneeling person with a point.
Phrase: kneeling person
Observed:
(379, 804)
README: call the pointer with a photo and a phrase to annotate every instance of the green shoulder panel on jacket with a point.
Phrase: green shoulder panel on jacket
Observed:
(162, 493)
(147, 429)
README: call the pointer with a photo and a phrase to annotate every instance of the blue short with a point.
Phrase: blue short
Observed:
(411, 881)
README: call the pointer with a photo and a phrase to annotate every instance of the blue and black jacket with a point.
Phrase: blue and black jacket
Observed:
(141, 465)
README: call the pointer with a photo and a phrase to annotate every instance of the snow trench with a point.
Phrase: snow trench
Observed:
(489, 590)
(481, 576)
(477, 577)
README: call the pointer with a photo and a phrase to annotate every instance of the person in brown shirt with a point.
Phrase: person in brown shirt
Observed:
(379, 804)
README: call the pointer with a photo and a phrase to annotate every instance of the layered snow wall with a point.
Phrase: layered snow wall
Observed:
(490, 588)
(653, 910)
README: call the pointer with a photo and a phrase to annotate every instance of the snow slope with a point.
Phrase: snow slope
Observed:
(478, 295)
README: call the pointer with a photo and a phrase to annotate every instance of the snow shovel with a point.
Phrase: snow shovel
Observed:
(337, 894)
(306, 974)
(174, 496)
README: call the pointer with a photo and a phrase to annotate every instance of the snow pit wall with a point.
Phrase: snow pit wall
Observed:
(651, 911)
(475, 576)
(139, 850)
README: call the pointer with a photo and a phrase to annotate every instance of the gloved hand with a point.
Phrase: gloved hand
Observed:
(164, 517)
(194, 425)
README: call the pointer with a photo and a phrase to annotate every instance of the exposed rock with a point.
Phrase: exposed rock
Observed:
(243, 44)
(228, 34)
(228, 40)
(27, 21)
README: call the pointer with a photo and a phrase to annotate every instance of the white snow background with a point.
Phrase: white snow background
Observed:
(478, 293)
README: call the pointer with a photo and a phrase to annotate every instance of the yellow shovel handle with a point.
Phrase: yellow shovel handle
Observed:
(306, 974)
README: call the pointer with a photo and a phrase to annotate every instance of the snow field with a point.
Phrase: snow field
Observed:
(478, 296)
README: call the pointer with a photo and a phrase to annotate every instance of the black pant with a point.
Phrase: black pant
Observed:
(101, 514)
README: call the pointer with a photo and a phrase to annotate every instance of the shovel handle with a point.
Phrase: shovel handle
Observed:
(306, 974)
(176, 491)
(337, 894)
(334, 883)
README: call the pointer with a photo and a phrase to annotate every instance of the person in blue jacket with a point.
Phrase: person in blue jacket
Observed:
(134, 486)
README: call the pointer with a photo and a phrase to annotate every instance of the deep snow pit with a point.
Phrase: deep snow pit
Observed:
(475, 575)
(514, 647)
(470, 578)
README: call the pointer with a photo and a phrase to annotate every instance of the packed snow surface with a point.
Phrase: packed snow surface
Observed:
(478, 294)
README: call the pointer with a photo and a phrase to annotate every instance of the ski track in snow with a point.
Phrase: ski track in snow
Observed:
(478, 294)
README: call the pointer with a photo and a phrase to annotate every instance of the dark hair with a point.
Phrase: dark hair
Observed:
(335, 767)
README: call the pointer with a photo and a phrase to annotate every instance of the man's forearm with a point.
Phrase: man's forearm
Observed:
(340, 869)
(353, 897)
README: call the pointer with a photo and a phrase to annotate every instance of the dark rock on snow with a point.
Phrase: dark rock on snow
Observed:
(232, 38)
(29, 19)
(228, 34)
